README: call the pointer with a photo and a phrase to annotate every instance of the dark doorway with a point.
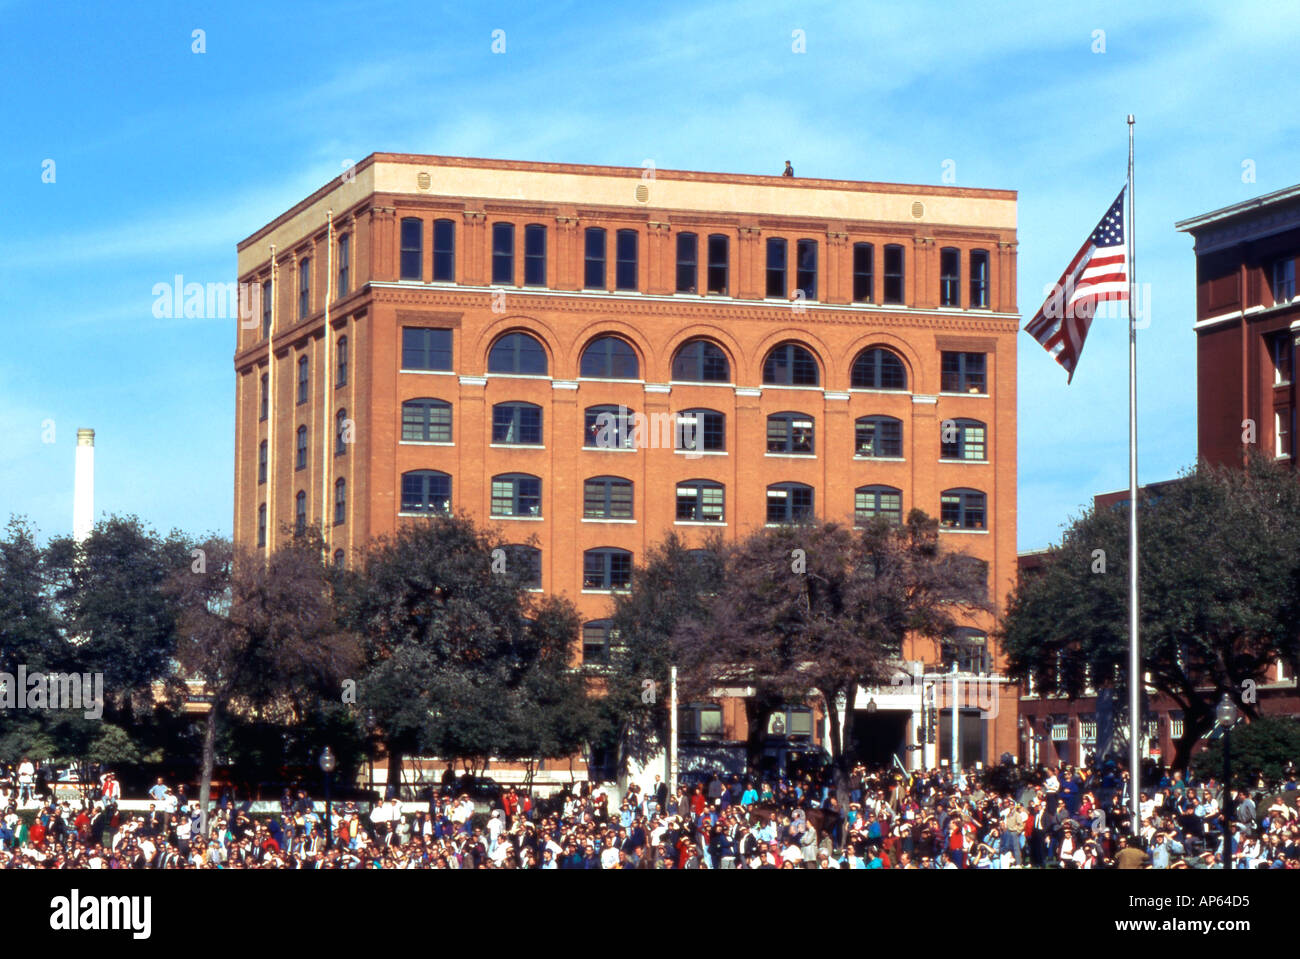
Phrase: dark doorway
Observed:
(879, 736)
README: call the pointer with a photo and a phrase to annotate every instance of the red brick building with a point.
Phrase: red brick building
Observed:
(453, 333)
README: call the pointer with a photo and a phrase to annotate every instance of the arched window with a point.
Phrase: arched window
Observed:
(338, 559)
(301, 462)
(516, 495)
(517, 424)
(261, 462)
(789, 503)
(525, 562)
(962, 509)
(877, 368)
(300, 513)
(609, 428)
(790, 365)
(518, 353)
(426, 420)
(700, 361)
(345, 264)
(341, 354)
(877, 502)
(609, 358)
(790, 433)
(265, 398)
(606, 568)
(607, 497)
(701, 501)
(701, 431)
(342, 435)
(261, 525)
(963, 440)
(304, 379)
(340, 501)
(304, 289)
(878, 436)
(426, 492)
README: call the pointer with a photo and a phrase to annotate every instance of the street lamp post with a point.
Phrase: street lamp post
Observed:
(1226, 714)
(327, 765)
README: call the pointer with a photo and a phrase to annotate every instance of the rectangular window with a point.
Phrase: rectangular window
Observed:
(425, 349)
(267, 293)
(885, 504)
(1283, 281)
(806, 268)
(718, 247)
(503, 253)
(261, 463)
(893, 273)
(979, 279)
(304, 289)
(341, 351)
(950, 277)
(607, 499)
(700, 503)
(776, 249)
(625, 260)
(534, 255)
(1282, 353)
(304, 379)
(1282, 432)
(687, 263)
(345, 263)
(266, 398)
(444, 251)
(412, 248)
(594, 259)
(863, 273)
(963, 373)
(261, 525)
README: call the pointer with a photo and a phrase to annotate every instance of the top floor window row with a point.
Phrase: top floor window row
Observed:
(791, 265)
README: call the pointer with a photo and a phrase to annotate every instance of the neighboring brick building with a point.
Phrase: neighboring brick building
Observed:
(1247, 320)
(803, 339)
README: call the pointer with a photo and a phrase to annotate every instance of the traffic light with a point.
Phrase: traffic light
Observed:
(931, 724)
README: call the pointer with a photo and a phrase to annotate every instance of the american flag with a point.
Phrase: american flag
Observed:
(1099, 271)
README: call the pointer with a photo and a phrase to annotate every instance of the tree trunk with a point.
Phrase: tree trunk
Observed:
(394, 769)
(205, 774)
(1194, 727)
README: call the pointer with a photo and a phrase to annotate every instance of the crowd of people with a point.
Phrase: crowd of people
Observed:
(988, 819)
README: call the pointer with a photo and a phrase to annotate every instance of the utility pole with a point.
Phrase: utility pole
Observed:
(956, 747)
(672, 733)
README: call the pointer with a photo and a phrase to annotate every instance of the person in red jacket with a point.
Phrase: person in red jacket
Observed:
(37, 834)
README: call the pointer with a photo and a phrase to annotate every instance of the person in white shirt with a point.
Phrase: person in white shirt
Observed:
(26, 781)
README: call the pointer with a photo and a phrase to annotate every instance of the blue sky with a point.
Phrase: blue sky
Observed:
(165, 158)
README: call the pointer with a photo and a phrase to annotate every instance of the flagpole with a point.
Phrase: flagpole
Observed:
(1134, 659)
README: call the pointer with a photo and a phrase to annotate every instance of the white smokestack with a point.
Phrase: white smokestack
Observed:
(83, 499)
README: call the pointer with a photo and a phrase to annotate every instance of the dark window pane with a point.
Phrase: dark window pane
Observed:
(503, 253)
(806, 273)
(426, 349)
(863, 273)
(518, 353)
(718, 247)
(534, 255)
(609, 358)
(412, 248)
(979, 280)
(444, 251)
(893, 274)
(776, 248)
(949, 277)
(517, 424)
(878, 369)
(878, 436)
(687, 267)
(625, 268)
(594, 260)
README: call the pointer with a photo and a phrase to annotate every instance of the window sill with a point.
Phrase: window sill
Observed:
(517, 376)
(424, 514)
(610, 449)
(730, 386)
(699, 522)
(600, 519)
(430, 372)
(958, 529)
(424, 443)
(520, 519)
(695, 454)
(790, 386)
(606, 592)
(872, 389)
(515, 446)
(984, 394)
(983, 462)
(859, 457)
(791, 456)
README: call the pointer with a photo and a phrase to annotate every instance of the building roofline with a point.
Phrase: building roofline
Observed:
(1193, 224)
(588, 169)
